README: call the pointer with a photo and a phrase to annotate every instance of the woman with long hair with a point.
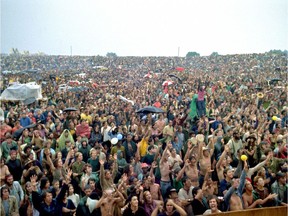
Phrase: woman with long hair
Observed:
(26, 206)
(133, 208)
(170, 209)
(73, 196)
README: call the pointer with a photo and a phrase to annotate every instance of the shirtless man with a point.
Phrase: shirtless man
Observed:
(205, 154)
(191, 171)
(221, 164)
(248, 199)
(154, 188)
(165, 171)
(233, 197)
(3, 171)
(109, 200)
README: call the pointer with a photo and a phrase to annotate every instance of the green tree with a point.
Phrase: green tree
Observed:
(214, 54)
(192, 54)
(111, 55)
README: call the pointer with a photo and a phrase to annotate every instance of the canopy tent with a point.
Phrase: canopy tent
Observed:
(21, 92)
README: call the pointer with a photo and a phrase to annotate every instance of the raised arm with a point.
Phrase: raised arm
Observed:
(252, 170)
(163, 155)
(102, 177)
(115, 167)
(181, 172)
(223, 155)
(49, 161)
(180, 210)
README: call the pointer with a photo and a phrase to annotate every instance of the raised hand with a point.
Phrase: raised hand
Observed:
(69, 173)
(33, 179)
(187, 163)
(124, 177)
(154, 165)
(272, 196)
(226, 148)
(101, 162)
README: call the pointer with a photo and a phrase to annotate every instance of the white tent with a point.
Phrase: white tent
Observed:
(19, 92)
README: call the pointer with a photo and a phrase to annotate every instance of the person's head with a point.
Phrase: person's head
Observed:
(79, 156)
(205, 152)
(168, 207)
(92, 183)
(56, 184)
(13, 155)
(197, 193)
(28, 187)
(147, 197)
(87, 190)
(58, 163)
(93, 152)
(83, 122)
(193, 159)
(173, 152)
(87, 168)
(213, 203)
(134, 202)
(186, 182)
(170, 123)
(236, 135)
(107, 174)
(129, 137)
(248, 186)
(70, 189)
(47, 197)
(67, 144)
(281, 178)
(44, 183)
(9, 179)
(228, 173)
(172, 193)
(5, 192)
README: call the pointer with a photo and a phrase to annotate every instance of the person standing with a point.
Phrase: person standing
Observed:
(15, 188)
(8, 203)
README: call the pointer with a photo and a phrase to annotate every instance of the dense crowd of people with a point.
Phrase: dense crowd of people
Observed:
(213, 139)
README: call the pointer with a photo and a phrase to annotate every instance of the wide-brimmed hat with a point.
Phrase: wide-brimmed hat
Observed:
(200, 137)
(114, 141)
(28, 161)
(251, 136)
(193, 140)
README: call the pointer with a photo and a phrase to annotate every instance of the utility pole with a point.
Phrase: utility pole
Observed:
(178, 51)
(71, 50)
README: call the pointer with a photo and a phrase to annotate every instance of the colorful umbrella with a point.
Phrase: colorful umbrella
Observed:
(180, 69)
(167, 83)
(148, 76)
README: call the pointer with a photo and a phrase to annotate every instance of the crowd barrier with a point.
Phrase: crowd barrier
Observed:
(271, 211)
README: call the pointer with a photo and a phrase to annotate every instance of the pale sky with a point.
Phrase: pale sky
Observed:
(144, 28)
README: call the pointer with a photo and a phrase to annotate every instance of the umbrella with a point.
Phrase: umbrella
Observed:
(69, 109)
(275, 79)
(173, 75)
(30, 100)
(167, 83)
(180, 69)
(258, 88)
(150, 109)
(19, 132)
(148, 76)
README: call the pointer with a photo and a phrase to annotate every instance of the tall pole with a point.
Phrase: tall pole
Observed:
(178, 51)
(71, 50)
